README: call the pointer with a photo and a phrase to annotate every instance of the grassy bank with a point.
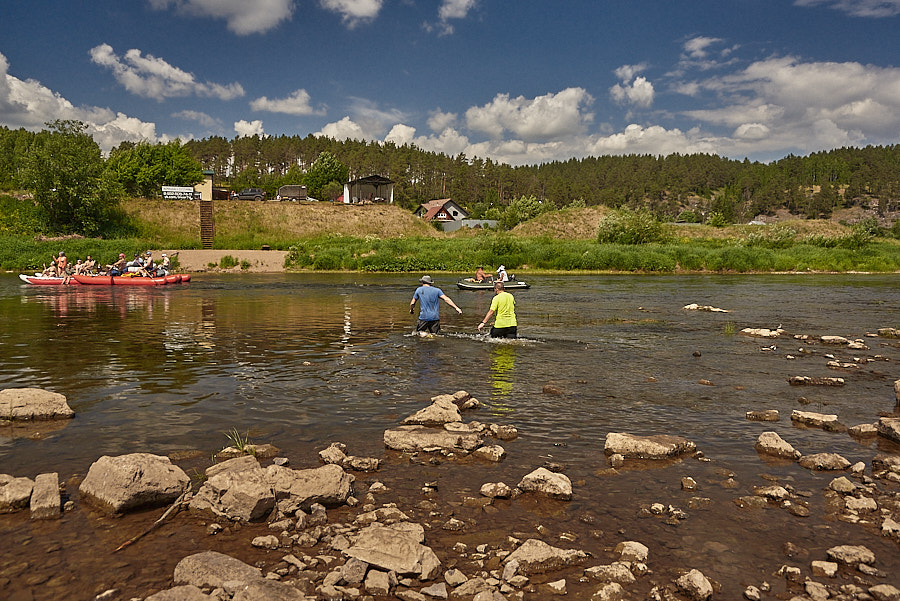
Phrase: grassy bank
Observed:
(322, 236)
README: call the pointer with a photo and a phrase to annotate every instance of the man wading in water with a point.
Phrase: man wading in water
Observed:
(503, 305)
(429, 312)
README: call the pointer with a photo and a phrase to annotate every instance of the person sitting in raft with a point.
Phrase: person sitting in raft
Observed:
(480, 276)
(118, 267)
(88, 265)
(149, 268)
(50, 271)
(501, 274)
(164, 267)
(135, 265)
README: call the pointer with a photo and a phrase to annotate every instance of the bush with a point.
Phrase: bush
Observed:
(772, 236)
(624, 226)
(688, 216)
(716, 219)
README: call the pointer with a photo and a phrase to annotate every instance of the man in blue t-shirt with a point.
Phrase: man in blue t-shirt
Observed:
(429, 313)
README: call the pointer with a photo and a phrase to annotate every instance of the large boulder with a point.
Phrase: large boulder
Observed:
(137, 480)
(237, 489)
(851, 555)
(695, 585)
(422, 438)
(268, 590)
(15, 493)
(329, 485)
(770, 443)
(659, 446)
(212, 569)
(393, 548)
(33, 403)
(552, 484)
(889, 427)
(536, 557)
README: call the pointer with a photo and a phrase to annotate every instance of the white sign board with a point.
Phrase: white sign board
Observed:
(177, 192)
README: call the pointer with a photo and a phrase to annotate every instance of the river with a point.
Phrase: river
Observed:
(301, 360)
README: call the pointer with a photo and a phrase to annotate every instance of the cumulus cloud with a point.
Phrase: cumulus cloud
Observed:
(539, 118)
(200, 117)
(29, 104)
(354, 12)
(245, 129)
(295, 104)
(859, 8)
(153, 77)
(344, 129)
(639, 92)
(449, 141)
(243, 17)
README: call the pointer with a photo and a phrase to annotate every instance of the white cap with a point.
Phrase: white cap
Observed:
(501, 268)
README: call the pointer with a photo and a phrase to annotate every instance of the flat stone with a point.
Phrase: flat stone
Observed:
(851, 555)
(492, 452)
(392, 549)
(824, 461)
(885, 592)
(809, 418)
(413, 438)
(33, 404)
(766, 415)
(614, 572)
(633, 551)
(268, 590)
(889, 427)
(212, 569)
(660, 446)
(45, 499)
(811, 381)
(862, 430)
(187, 592)
(824, 569)
(536, 557)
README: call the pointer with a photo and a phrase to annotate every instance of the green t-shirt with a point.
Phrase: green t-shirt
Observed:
(504, 307)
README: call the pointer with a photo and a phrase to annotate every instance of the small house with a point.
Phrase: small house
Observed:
(443, 210)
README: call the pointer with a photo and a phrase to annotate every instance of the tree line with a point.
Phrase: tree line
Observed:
(686, 187)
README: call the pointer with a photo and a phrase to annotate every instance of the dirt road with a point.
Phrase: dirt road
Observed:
(261, 261)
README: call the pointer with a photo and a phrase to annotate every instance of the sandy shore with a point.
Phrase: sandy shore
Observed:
(261, 261)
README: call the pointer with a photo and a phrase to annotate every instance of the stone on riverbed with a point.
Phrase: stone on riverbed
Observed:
(14, 493)
(817, 420)
(542, 480)
(212, 569)
(810, 381)
(237, 489)
(536, 557)
(659, 446)
(422, 438)
(45, 499)
(394, 549)
(851, 555)
(33, 403)
(889, 427)
(329, 485)
(770, 443)
(766, 415)
(137, 480)
(187, 592)
(335, 454)
(695, 585)
(442, 410)
(824, 461)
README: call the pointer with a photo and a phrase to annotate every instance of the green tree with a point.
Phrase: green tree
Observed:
(522, 209)
(323, 171)
(143, 169)
(66, 173)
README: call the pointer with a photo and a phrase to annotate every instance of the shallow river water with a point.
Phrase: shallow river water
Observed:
(301, 360)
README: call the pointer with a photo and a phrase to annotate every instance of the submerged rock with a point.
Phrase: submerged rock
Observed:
(766, 415)
(33, 404)
(762, 332)
(137, 480)
(660, 446)
(810, 381)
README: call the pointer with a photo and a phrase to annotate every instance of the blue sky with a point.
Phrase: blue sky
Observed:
(523, 81)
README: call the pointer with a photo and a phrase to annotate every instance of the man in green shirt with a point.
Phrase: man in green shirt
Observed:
(503, 306)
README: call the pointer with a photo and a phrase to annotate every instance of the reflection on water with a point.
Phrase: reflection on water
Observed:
(302, 360)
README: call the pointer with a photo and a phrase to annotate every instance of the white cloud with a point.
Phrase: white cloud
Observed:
(859, 8)
(354, 12)
(697, 48)
(344, 129)
(627, 72)
(751, 131)
(29, 104)
(449, 141)
(295, 104)
(438, 120)
(639, 93)
(200, 117)
(541, 118)
(249, 128)
(243, 17)
(453, 9)
(153, 77)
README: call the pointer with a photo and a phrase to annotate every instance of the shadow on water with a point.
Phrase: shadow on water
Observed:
(302, 360)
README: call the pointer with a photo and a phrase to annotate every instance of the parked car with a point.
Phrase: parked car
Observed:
(250, 194)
